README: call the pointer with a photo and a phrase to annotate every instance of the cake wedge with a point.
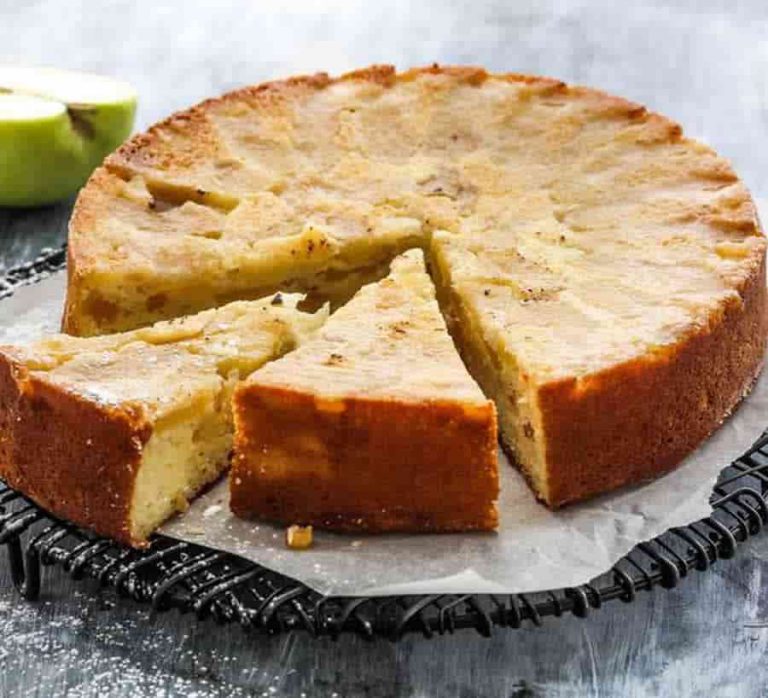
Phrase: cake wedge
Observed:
(117, 433)
(373, 425)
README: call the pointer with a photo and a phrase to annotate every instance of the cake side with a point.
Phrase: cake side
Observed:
(363, 464)
(74, 457)
(639, 419)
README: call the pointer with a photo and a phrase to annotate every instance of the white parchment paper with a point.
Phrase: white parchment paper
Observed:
(534, 548)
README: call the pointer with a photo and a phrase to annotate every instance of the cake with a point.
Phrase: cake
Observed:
(602, 275)
(117, 433)
(373, 425)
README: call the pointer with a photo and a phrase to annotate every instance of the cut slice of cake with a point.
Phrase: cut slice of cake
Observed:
(374, 425)
(116, 433)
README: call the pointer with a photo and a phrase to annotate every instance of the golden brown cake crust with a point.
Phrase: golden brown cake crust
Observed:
(148, 148)
(75, 458)
(117, 433)
(394, 466)
(373, 425)
(645, 416)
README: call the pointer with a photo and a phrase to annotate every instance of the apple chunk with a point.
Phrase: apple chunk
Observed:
(56, 126)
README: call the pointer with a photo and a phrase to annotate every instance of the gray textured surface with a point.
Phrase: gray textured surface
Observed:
(703, 62)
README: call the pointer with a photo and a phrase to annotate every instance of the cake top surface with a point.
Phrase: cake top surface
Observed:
(600, 230)
(389, 342)
(169, 365)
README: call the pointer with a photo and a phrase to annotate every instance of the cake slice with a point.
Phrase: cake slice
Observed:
(604, 376)
(374, 425)
(116, 433)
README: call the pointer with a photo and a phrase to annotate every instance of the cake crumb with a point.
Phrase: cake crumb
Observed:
(298, 537)
(212, 510)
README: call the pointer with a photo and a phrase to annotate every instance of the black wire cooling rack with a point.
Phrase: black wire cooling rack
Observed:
(229, 589)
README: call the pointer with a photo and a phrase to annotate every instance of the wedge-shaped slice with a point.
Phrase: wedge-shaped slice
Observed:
(374, 425)
(605, 376)
(117, 433)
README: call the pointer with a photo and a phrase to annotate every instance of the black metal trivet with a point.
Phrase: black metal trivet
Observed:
(173, 574)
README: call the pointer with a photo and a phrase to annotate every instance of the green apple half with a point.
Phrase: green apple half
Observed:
(56, 126)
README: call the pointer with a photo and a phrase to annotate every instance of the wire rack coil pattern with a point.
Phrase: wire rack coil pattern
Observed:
(229, 589)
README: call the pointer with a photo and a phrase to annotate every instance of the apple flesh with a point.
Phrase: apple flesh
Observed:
(56, 126)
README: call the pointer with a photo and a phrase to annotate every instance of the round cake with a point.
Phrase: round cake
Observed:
(602, 275)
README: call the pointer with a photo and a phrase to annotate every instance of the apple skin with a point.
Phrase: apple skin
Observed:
(47, 159)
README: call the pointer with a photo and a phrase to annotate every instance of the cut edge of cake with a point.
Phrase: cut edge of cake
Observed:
(368, 456)
(104, 297)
